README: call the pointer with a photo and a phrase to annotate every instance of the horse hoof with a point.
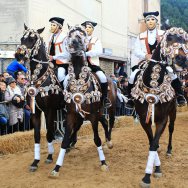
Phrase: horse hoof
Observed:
(109, 144)
(53, 174)
(104, 168)
(157, 174)
(33, 168)
(48, 161)
(168, 154)
(144, 185)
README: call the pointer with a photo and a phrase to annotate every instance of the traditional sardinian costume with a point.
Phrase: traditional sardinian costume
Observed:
(57, 46)
(145, 44)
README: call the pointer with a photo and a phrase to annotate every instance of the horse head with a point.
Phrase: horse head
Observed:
(174, 46)
(77, 40)
(32, 40)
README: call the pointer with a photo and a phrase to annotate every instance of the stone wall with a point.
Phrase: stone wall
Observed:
(107, 66)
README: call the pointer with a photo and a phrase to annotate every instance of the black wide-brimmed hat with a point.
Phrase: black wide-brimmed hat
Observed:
(57, 20)
(151, 14)
(93, 24)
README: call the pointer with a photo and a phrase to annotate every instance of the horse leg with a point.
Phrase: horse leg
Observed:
(104, 123)
(148, 130)
(97, 140)
(171, 130)
(73, 138)
(35, 120)
(50, 115)
(111, 120)
(153, 158)
(65, 143)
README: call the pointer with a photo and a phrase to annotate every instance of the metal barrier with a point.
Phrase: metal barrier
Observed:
(59, 123)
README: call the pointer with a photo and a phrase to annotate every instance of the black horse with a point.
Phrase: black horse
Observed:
(44, 88)
(155, 98)
(83, 99)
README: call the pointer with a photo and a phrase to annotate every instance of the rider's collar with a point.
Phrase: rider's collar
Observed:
(153, 31)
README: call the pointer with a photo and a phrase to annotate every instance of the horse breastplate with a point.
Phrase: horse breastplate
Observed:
(163, 92)
(78, 90)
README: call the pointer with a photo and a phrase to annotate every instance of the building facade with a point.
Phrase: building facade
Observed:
(119, 22)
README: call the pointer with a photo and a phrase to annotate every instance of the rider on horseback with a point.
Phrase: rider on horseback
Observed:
(145, 45)
(57, 45)
(94, 49)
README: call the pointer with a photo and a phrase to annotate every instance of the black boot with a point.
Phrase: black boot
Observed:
(62, 86)
(106, 101)
(176, 84)
(130, 103)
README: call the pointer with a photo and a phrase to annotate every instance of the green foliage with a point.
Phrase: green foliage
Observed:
(176, 11)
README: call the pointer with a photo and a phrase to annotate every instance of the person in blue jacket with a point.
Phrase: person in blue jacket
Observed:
(18, 63)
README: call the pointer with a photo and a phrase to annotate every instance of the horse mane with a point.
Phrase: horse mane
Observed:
(149, 69)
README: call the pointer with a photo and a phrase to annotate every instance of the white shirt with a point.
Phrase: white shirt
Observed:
(140, 49)
(96, 49)
(152, 36)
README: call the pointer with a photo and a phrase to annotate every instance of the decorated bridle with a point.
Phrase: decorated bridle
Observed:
(35, 49)
(172, 50)
(77, 32)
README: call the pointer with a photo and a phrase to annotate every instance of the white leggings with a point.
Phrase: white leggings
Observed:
(61, 74)
(102, 76)
(172, 75)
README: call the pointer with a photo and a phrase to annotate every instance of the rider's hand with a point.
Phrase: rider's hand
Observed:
(148, 56)
(17, 99)
(51, 58)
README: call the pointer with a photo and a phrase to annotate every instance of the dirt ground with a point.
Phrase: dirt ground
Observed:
(127, 161)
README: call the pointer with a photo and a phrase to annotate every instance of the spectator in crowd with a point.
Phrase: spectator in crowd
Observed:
(18, 63)
(14, 96)
(124, 86)
(21, 83)
(5, 76)
(1, 77)
(4, 115)
(114, 79)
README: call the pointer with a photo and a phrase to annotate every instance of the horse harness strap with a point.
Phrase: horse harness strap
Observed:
(78, 90)
(163, 93)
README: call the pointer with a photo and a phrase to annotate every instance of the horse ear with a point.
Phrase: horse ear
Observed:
(68, 26)
(40, 30)
(25, 27)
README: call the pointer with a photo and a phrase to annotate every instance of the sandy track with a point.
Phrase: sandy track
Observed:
(127, 161)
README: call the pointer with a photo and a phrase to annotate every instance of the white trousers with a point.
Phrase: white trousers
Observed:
(172, 75)
(61, 74)
(102, 76)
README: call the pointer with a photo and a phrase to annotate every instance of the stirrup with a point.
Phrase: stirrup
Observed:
(107, 103)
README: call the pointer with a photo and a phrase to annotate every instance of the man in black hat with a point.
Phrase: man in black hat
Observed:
(56, 47)
(94, 49)
(145, 45)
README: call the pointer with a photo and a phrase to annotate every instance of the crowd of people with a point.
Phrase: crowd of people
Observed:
(14, 110)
